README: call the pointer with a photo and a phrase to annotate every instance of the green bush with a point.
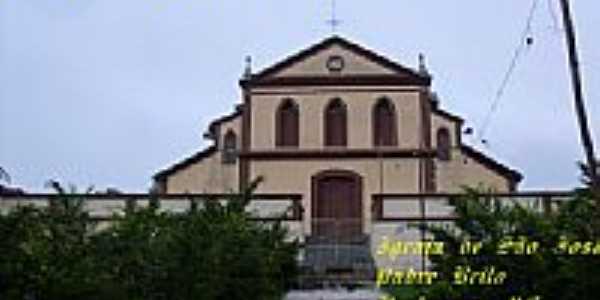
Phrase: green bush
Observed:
(216, 252)
(548, 272)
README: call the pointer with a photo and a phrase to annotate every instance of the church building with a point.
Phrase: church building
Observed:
(340, 128)
(337, 123)
(337, 116)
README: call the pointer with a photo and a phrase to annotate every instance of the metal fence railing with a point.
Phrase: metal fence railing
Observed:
(334, 243)
(398, 218)
(263, 207)
(438, 207)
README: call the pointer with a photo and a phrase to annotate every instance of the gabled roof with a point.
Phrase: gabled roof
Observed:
(491, 163)
(199, 156)
(406, 73)
(448, 115)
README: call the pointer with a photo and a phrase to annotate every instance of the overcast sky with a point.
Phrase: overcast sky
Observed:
(108, 92)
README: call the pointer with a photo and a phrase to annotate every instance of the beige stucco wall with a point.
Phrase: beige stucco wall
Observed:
(399, 176)
(207, 176)
(312, 103)
(317, 65)
(462, 170)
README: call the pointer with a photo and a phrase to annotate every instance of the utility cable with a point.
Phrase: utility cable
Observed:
(525, 41)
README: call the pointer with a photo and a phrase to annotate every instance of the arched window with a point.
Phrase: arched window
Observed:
(335, 123)
(229, 147)
(286, 127)
(384, 123)
(443, 144)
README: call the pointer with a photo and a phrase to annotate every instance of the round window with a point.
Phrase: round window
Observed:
(335, 63)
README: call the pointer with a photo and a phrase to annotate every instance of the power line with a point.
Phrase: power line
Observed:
(552, 12)
(525, 40)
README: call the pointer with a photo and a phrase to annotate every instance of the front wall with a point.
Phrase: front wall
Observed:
(211, 176)
(312, 103)
(317, 65)
(294, 176)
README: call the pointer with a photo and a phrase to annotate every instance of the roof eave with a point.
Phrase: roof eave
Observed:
(199, 156)
(511, 174)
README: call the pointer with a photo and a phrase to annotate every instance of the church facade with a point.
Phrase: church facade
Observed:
(338, 124)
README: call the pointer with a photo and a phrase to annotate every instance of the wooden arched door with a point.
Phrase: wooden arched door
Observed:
(337, 205)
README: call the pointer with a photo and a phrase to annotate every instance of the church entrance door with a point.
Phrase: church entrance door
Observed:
(337, 205)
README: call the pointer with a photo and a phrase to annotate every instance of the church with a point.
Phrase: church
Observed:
(337, 120)
(341, 128)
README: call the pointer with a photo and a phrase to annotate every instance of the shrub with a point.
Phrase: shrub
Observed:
(547, 272)
(216, 252)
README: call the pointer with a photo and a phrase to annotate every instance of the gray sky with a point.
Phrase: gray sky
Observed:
(109, 92)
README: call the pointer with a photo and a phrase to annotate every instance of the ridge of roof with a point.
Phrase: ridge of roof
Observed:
(293, 58)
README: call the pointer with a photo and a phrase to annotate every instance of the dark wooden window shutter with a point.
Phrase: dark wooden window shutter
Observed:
(336, 124)
(287, 124)
(230, 148)
(443, 144)
(384, 124)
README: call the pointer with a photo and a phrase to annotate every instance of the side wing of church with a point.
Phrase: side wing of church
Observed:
(337, 118)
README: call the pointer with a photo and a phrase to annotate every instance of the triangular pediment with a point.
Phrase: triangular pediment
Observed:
(337, 57)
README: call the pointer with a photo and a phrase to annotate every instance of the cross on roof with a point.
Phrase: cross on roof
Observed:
(334, 22)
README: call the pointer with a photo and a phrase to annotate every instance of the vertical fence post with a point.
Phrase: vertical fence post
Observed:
(130, 204)
(547, 204)
(422, 229)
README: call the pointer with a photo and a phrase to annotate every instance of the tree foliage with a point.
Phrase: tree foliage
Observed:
(549, 272)
(210, 252)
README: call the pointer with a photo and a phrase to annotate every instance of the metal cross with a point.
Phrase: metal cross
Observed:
(334, 22)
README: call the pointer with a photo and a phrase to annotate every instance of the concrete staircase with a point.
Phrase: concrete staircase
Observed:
(334, 294)
(331, 262)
